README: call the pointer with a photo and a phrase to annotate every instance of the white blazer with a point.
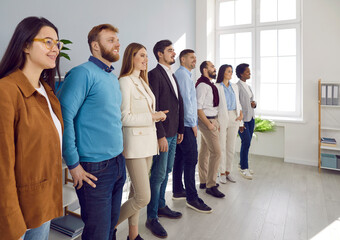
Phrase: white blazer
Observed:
(223, 116)
(139, 130)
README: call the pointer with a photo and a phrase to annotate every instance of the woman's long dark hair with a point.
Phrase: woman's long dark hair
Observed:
(221, 72)
(14, 57)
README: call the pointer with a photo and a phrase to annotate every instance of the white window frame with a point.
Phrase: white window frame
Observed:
(252, 24)
(234, 31)
(298, 102)
(255, 27)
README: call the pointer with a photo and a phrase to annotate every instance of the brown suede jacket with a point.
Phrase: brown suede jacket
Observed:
(30, 157)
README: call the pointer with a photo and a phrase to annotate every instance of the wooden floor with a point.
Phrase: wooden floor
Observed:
(283, 201)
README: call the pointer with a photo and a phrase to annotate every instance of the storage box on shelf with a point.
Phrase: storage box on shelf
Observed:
(328, 160)
(328, 124)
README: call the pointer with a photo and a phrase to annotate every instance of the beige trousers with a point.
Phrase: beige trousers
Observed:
(209, 156)
(228, 143)
(139, 195)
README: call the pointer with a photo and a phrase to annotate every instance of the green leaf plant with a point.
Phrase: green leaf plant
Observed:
(62, 53)
(263, 125)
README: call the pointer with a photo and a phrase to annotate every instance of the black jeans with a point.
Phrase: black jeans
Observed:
(185, 161)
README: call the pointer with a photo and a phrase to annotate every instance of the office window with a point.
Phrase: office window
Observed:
(235, 12)
(236, 48)
(268, 39)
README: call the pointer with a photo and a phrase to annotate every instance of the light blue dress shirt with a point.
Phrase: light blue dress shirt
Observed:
(188, 93)
(229, 97)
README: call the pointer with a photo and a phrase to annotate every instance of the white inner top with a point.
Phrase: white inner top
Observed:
(56, 121)
(172, 80)
(246, 86)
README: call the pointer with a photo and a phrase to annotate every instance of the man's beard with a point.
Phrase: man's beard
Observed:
(170, 63)
(212, 75)
(108, 55)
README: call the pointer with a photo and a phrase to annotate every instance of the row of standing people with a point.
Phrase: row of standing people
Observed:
(94, 109)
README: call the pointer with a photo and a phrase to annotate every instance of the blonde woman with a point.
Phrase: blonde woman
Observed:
(139, 132)
(230, 118)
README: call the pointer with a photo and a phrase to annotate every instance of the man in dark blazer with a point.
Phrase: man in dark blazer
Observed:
(169, 133)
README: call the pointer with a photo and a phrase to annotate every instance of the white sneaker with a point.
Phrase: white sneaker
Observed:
(246, 174)
(222, 178)
(250, 170)
(230, 178)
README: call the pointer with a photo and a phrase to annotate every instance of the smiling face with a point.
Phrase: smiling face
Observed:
(38, 56)
(228, 73)
(168, 57)
(245, 75)
(211, 70)
(189, 61)
(140, 60)
(109, 45)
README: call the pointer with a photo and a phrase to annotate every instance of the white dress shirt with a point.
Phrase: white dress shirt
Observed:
(171, 77)
(205, 99)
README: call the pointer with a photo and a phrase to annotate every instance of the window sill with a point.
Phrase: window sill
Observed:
(281, 121)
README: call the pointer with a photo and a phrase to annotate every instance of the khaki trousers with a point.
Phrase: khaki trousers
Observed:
(139, 195)
(210, 153)
(228, 144)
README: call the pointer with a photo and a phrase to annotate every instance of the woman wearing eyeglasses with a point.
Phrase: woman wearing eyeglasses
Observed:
(139, 132)
(30, 132)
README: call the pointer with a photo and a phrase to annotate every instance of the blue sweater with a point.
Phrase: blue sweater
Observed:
(90, 101)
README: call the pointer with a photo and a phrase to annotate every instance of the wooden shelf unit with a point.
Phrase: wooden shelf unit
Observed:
(328, 127)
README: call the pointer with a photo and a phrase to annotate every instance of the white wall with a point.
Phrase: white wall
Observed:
(267, 144)
(145, 22)
(321, 51)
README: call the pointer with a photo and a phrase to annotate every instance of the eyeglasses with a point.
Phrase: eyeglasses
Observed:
(50, 43)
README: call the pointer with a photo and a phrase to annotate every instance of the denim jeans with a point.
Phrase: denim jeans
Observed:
(100, 206)
(246, 137)
(39, 233)
(161, 167)
(186, 160)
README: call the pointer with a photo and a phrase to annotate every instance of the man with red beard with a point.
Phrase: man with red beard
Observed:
(93, 143)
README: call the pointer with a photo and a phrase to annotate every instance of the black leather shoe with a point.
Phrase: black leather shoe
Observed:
(179, 196)
(137, 238)
(199, 206)
(167, 212)
(203, 185)
(213, 191)
(156, 228)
